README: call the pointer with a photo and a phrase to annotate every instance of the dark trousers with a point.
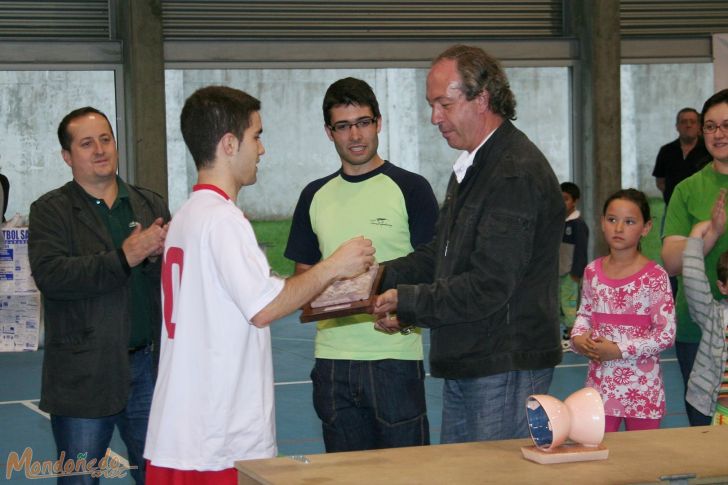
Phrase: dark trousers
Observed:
(88, 438)
(492, 407)
(366, 405)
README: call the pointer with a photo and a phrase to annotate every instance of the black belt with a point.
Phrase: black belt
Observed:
(134, 350)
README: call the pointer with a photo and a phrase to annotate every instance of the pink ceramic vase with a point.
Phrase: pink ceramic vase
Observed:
(587, 416)
(580, 418)
(548, 421)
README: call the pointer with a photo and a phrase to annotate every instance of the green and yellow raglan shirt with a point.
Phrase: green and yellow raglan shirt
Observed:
(394, 208)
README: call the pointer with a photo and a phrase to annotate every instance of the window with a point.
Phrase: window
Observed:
(652, 94)
(32, 103)
(298, 151)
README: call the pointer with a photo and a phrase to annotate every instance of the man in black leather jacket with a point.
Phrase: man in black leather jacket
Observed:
(94, 249)
(487, 285)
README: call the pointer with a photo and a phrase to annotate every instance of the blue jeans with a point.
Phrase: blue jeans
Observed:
(90, 437)
(685, 352)
(490, 408)
(366, 405)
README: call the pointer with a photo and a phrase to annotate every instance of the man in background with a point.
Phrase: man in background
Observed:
(682, 157)
(678, 160)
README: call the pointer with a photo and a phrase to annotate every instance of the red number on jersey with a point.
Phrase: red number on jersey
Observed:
(173, 257)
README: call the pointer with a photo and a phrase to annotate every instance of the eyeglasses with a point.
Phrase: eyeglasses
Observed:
(344, 126)
(711, 127)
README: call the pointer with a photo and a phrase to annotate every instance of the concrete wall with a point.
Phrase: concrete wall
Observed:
(33, 102)
(298, 151)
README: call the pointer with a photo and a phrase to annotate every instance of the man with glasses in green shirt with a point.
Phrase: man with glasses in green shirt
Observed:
(94, 252)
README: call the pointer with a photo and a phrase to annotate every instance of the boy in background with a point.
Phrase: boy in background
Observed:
(572, 259)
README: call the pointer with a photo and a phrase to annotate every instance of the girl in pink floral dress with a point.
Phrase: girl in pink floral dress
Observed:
(626, 318)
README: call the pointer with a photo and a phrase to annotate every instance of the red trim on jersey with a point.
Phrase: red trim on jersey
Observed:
(214, 188)
(171, 476)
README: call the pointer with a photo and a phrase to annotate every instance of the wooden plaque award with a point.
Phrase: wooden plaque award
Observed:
(345, 297)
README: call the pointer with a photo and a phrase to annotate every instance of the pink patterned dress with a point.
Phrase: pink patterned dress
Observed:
(638, 314)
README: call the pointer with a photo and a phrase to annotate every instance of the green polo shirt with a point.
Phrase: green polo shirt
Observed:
(117, 220)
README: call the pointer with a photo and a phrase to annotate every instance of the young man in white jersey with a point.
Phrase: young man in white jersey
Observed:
(213, 402)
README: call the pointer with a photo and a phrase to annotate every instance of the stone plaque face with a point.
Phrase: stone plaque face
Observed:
(345, 297)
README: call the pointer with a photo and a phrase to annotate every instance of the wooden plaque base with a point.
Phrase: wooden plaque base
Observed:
(567, 453)
(310, 314)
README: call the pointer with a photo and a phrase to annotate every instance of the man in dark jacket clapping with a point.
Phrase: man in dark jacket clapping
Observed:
(94, 249)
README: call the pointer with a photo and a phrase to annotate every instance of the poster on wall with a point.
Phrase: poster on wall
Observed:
(19, 322)
(20, 303)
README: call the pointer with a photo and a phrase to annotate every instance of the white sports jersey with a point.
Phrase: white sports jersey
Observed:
(213, 402)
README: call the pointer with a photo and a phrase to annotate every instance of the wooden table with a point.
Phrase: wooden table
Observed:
(634, 457)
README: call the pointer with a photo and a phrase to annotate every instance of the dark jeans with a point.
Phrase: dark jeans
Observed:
(492, 407)
(366, 405)
(90, 437)
(685, 357)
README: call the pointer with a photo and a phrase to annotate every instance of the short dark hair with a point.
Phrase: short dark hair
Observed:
(211, 112)
(686, 110)
(572, 189)
(349, 91)
(633, 195)
(718, 98)
(722, 267)
(481, 72)
(64, 137)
